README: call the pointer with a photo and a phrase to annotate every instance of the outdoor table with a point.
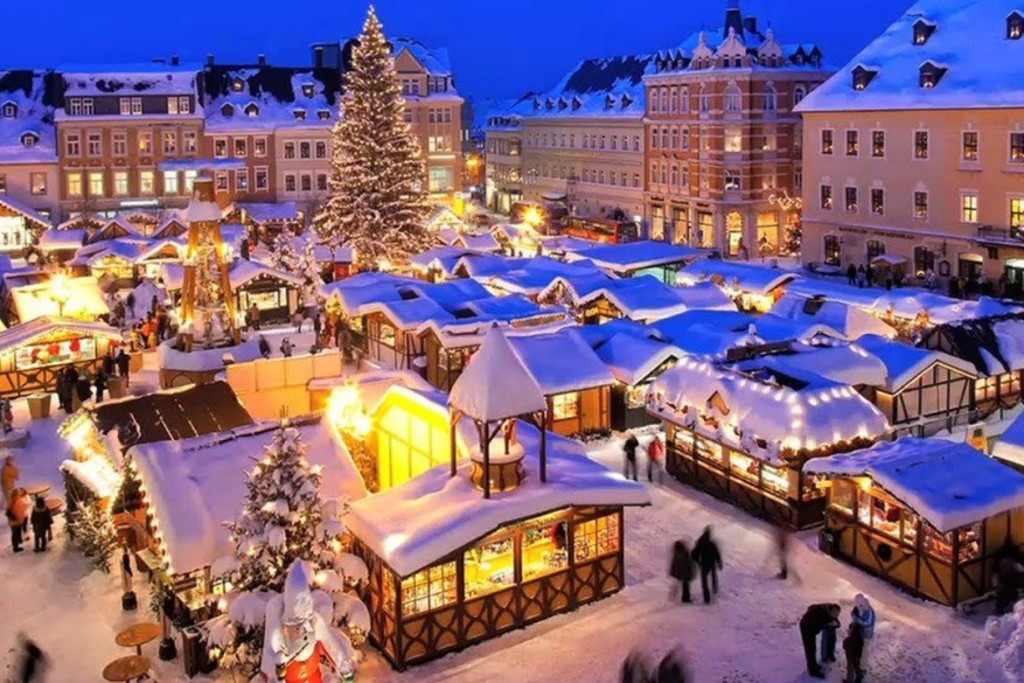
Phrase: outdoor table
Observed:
(38, 490)
(54, 504)
(138, 635)
(125, 669)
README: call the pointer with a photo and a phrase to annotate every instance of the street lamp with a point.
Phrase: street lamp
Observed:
(60, 292)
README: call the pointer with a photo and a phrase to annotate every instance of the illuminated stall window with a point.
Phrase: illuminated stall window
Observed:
(429, 589)
(490, 566)
(545, 548)
(596, 537)
(565, 406)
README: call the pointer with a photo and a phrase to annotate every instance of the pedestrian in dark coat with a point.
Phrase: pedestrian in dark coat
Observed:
(84, 388)
(681, 568)
(318, 325)
(61, 396)
(131, 304)
(820, 618)
(629, 449)
(1009, 575)
(32, 661)
(709, 559)
(264, 347)
(101, 385)
(123, 365)
(42, 524)
(634, 669)
(671, 669)
(108, 362)
(851, 274)
(853, 646)
(286, 348)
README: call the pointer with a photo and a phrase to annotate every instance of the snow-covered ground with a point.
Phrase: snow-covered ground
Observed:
(748, 634)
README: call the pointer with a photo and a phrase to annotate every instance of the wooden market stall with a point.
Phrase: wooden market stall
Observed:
(754, 288)
(646, 257)
(274, 292)
(635, 361)
(929, 515)
(32, 353)
(744, 436)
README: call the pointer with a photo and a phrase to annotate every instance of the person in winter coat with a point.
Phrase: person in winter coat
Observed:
(681, 568)
(108, 362)
(130, 301)
(9, 477)
(32, 661)
(297, 319)
(254, 316)
(264, 346)
(17, 517)
(629, 449)
(851, 274)
(318, 325)
(709, 560)
(123, 365)
(818, 619)
(853, 646)
(655, 455)
(864, 616)
(101, 385)
(42, 524)
(286, 348)
(671, 669)
(1009, 575)
(84, 388)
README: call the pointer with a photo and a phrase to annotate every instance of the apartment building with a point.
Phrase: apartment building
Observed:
(723, 153)
(915, 148)
(127, 136)
(503, 145)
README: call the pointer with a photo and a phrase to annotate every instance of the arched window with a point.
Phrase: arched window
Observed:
(10, 110)
(733, 99)
(684, 137)
(252, 109)
(228, 109)
(674, 100)
(705, 99)
(799, 92)
(771, 99)
(684, 98)
(664, 99)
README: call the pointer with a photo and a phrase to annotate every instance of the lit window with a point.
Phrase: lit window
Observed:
(732, 180)
(921, 144)
(74, 184)
(188, 142)
(121, 183)
(190, 180)
(37, 183)
(170, 142)
(826, 197)
(307, 89)
(259, 147)
(96, 184)
(922, 31)
(171, 185)
(184, 104)
(145, 143)
(251, 110)
(826, 141)
(852, 143)
(238, 85)
(851, 200)
(242, 180)
(733, 139)
(877, 201)
(240, 147)
(172, 105)
(920, 205)
(147, 182)
(565, 406)
(969, 145)
(220, 148)
(862, 77)
(1017, 213)
(878, 143)
(1014, 26)
(1017, 148)
(931, 74)
(289, 150)
(969, 207)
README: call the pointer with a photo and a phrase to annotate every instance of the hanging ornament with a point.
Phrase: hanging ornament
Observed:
(54, 349)
(76, 345)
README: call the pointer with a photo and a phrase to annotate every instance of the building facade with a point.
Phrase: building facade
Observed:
(504, 156)
(723, 156)
(915, 149)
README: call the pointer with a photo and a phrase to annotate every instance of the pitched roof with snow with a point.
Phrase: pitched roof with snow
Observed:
(561, 361)
(984, 67)
(949, 484)
(632, 358)
(622, 259)
(17, 206)
(608, 87)
(843, 363)
(735, 276)
(993, 345)
(267, 98)
(41, 326)
(496, 383)
(851, 321)
(1009, 445)
(904, 363)
(29, 136)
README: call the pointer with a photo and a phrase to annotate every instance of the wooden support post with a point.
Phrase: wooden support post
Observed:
(485, 449)
(543, 448)
(452, 443)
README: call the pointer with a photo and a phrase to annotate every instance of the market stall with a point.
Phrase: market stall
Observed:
(929, 515)
(753, 288)
(744, 436)
(635, 361)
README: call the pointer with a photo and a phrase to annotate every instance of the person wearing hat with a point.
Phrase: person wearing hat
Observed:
(864, 616)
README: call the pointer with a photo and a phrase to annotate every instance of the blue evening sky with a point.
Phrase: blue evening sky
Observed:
(498, 48)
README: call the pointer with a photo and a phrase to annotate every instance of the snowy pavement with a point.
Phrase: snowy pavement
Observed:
(748, 635)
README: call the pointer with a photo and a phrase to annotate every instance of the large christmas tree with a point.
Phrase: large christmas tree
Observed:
(377, 203)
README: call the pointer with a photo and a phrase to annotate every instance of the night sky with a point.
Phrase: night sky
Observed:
(498, 49)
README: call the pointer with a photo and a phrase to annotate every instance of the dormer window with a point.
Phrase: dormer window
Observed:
(609, 102)
(252, 110)
(931, 74)
(323, 114)
(862, 76)
(29, 139)
(1015, 26)
(10, 110)
(300, 114)
(307, 89)
(238, 85)
(923, 31)
(228, 110)
(576, 103)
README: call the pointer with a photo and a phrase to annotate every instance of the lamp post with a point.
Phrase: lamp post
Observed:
(59, 292)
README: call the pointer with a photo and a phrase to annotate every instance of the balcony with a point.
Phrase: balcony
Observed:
(988, 234)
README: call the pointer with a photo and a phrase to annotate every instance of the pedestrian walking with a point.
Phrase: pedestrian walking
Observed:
(254, 314)
(32, 661)
(17, 517)
(709, 559)
(297, 319)
(42, 525)
(819, 619)
(851, 274)
(853, 647)
(108, 362)
(318, 325)
(101, 385)
(655, 454)
(634, 669)
(264, 347)
(9, 477)
(681, 569)
(864, 616)
(671, 669)
(782, 544)
(629, 449)
(286, 348)
(123, 365)
(130, 301)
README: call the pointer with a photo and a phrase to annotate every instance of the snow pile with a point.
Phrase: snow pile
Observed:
(205, 360)
(1004, 637)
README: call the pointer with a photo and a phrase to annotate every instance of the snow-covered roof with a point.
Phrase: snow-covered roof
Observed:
(1009, 445)
(528, 276)
(632, 358)
(792, 410)
(625, 258)
(414, 525)
(241, 272)
(196, 485)
(34, 300)
(949, 484)
(993, 345)
(147, 78)
(443, 258)
(34, 94)
(843, 363)
(54, 239)
(485, 242)
(26, 332)
(737, 277)
(607, 87)
(851, 321)
(206, 360)
(985, 68)
(435, 60)
(270, 212)
(561, 361)
(495, 383)
(904, 363)
(905, 302)
(18, 206)
(639, 298)
(269, 98)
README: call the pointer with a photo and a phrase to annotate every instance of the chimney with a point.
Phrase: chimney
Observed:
(209, 59)
(750, 24)
(318, 57)
(733, 18)
(262, 59)
(175, 60)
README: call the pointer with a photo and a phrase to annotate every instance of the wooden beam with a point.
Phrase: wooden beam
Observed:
(543, 448)
(452, 444)
(485, 449)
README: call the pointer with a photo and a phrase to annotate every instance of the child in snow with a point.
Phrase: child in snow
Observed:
(864, 616)
(853, 646)
(286, 348)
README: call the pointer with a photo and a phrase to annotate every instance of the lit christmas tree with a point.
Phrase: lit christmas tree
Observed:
(283, 255)
(377, 203)
(309, 270)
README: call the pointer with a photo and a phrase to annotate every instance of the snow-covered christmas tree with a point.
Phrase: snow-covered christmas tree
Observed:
(283, 255)
(377, 203)
(310, 271)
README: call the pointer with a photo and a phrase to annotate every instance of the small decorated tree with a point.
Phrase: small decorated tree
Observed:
(94, 533)
(309, 270)
(283, 255)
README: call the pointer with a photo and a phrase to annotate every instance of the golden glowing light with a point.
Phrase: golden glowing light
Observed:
(533, 216)
(345, 411)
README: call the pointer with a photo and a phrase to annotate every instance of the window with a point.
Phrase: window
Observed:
(826, 141)
(121, 183)
(771, 99)
(188, 142)
(704, 100)
(1014, 26)
(930, 75)
(799, 93)
(251, 110)
(75, 106)
(920, 205)
(37, 183)
(119, 142)
(1017, 148)
(145, 143)
(654, 138)
(429, 589)
(304, 150)
(826, 197)
(307, 89)
(237, 85)
(924, 260)
(136, 106)
(147, 182)
(220, 148)
(969, 207)
(74, 184)
(851, 199)
(184, 104)
(733, 101)
(306, 182)
(259, 147)
(172, 105)
(94, 144)
(227, 110)
(300, 114)
(565, 406)
(1016, 213)
(170, 142)
(921, 144)
(969, 145)
(289, 183)
(321, 182)
(862, 77)
(242, 180)
(171, 185)
(922, 31)
(125, 104)
(684, 138)
(261, 178)
(220, 181)
(72, 145)
(289, 150)
(96, 184)
(10, 110)
(733, 139)
(3, 182)
(241, 148)
(877, 201)
(190, 180)
(832, 250)
(435, 143)
(732, 180)
(852, 143)
(878, 143)
(596, 537)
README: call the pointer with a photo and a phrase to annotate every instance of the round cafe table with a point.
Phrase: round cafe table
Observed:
(138, 635)
(37, 490)
(133, 668)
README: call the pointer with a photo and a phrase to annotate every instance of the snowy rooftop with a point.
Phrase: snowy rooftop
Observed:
(266, 98)
(53, 239)
(608, 87)
(85, 301)
(496, 384)
(632, 358)
(851, 321)
(33, 216)
(843, 363)
(735, 276)
(414, 525)
(993, 345)
(640, 298)
(29, 136)
(269, 212)
(523, 276)
(195, 485)
(985, 69)
(1009, 445)
(561, 361)
(949, 484)
(152, 78)
(626, 258)
(903, 363)
(241, 272)
(42, 326)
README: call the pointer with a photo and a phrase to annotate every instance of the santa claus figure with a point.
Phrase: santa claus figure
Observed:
(300, 645)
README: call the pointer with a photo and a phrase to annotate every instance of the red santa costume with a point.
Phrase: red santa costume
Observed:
(300, 645)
